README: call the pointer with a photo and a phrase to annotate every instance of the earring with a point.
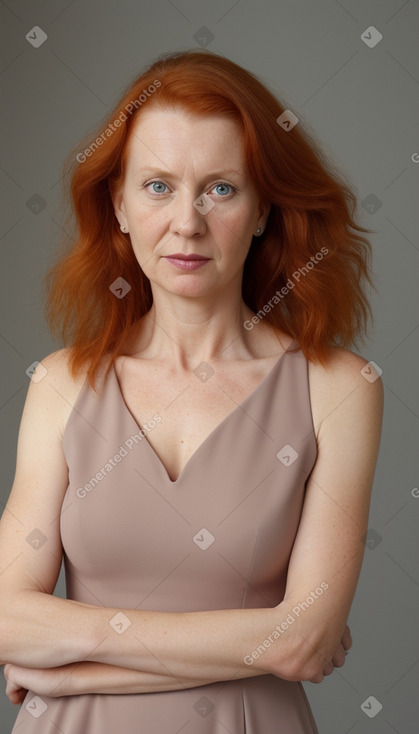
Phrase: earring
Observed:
(258, 231)
(123, 228)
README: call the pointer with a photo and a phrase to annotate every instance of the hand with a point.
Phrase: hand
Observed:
(14, 691)
(338, 658)
(42, 681)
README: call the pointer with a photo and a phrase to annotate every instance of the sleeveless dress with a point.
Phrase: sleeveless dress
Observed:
(219, 537)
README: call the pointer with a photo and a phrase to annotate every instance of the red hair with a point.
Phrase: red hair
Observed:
(320, 296)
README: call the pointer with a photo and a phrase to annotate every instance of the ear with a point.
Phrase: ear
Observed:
(264, 209)
(119, 206)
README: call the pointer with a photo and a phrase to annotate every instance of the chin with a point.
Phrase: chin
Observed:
(192, 290)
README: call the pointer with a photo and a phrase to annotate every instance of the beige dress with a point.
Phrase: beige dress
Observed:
(219, 537)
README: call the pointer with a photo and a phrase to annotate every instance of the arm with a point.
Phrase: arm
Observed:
(214, 645)
(30, 543)
(81, 678)
(330, 542)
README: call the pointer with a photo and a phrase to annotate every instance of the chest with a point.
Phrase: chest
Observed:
(191, 407)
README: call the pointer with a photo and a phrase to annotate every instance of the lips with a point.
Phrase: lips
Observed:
(181, 256)
(187, 263)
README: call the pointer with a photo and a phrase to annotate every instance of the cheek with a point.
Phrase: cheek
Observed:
(240, 214)
(234, 228)
(146, 218)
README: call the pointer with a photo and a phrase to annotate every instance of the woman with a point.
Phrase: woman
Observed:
(203, 452)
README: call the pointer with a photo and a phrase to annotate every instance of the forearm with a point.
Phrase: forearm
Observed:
(293, 641)
(91, 678)
(110, 679)
(42, 631)
(208, 645)
(45, 631)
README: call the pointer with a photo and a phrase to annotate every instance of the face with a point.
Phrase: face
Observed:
(186, 192)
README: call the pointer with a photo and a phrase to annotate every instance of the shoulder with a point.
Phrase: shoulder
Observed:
(54, 369)
(344, 368)
(54, 384)
(347, 382)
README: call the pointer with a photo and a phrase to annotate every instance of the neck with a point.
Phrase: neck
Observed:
(187, 331)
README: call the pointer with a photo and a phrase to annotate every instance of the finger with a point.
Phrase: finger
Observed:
(13, 692)
(339, 657)
(317, 678)
(17, 696)
(329, 668)
(346, 638)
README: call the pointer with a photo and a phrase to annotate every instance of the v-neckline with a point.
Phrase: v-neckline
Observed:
(199, 449)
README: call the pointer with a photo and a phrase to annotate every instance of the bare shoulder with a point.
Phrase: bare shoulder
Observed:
(59, 374)
(56, 386)
(344, 368)
(345, 378)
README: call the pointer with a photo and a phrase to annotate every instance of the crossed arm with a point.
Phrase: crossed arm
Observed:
(56, 646)
(92, 677)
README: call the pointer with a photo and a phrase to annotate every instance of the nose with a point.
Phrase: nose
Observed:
(187, 220)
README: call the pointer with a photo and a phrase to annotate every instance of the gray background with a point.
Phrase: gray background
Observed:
(362, 104)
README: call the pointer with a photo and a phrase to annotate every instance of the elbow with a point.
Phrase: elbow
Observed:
(301, 661)
(310, 669)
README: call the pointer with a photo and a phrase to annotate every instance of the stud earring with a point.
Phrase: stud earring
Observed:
(123, 228)
(258, 231)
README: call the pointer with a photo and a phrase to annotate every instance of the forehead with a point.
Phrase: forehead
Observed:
(174, 138)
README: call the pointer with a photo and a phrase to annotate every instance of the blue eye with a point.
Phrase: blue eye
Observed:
(158, 187)
(222, 189)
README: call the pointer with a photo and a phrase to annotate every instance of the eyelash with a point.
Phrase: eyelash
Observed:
(220, 183)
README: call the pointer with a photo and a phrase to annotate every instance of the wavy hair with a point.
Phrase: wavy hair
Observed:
(312, 207)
